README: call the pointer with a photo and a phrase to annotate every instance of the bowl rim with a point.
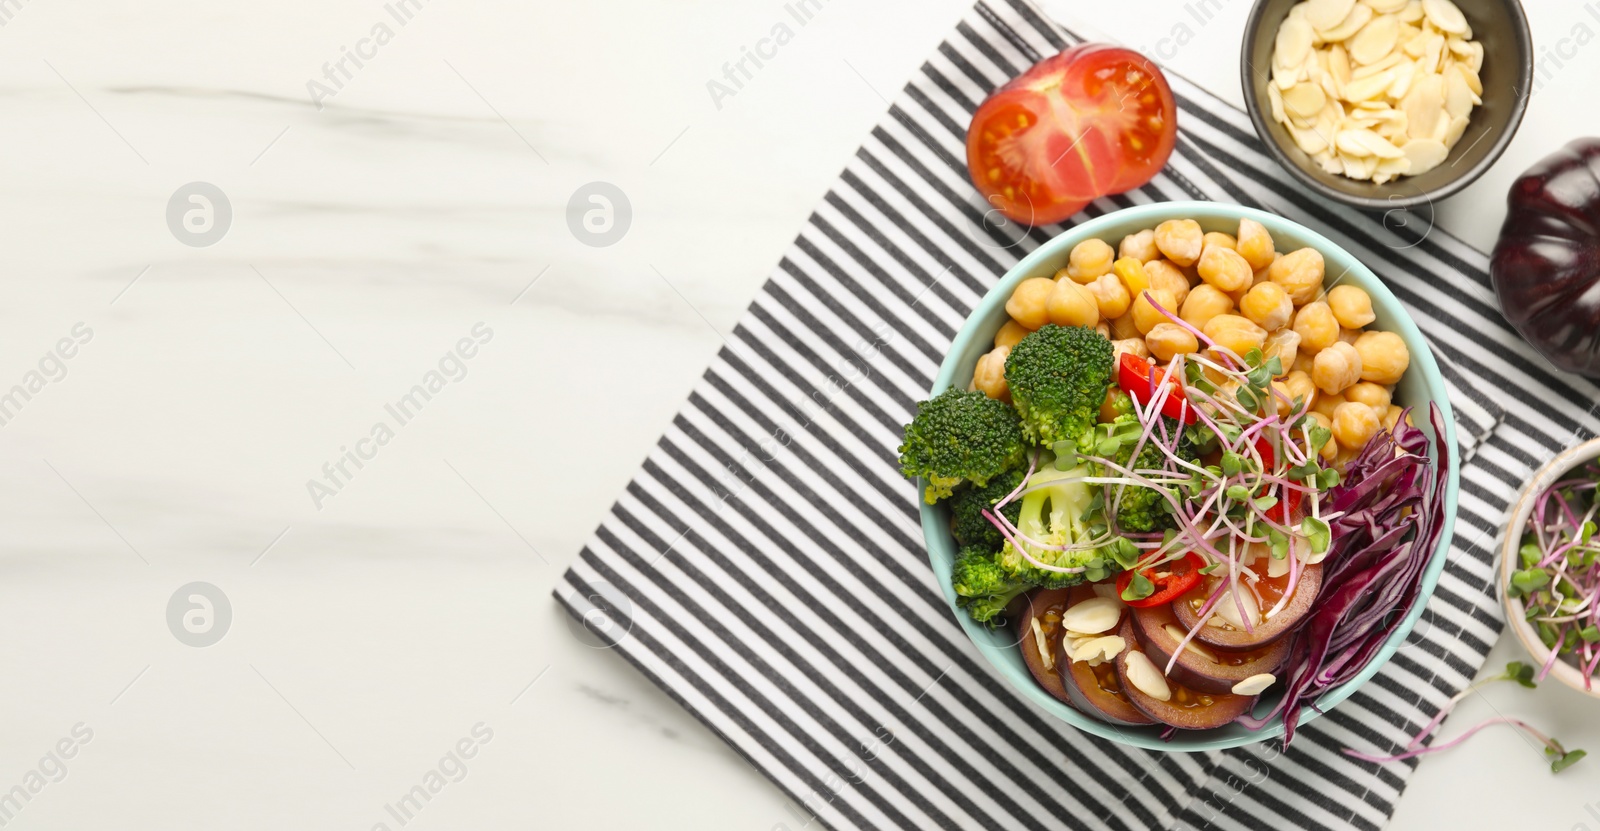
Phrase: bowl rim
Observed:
(1253, 31)
(1151, 214)
(1552, 470)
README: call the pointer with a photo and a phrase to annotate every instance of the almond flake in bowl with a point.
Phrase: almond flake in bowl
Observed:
(1375, 89)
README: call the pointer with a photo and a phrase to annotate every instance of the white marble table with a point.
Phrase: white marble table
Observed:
(391, 626)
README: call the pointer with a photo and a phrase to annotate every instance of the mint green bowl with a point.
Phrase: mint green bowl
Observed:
(1422, 384)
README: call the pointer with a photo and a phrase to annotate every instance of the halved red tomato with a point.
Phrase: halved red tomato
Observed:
(1141, 381)
(1089, 122)
(1171, 581)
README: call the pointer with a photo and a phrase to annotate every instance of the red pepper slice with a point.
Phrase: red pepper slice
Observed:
(1140, 379)
(1290, 502)
(1180, 576)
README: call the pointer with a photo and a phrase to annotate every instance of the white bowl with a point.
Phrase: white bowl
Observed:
(1515, 611)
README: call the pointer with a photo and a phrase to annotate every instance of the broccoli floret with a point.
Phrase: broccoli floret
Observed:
(1058, 378)
(1055, 515)
(1140, 508)
(960, 437)
(967, 524)
(982, 587)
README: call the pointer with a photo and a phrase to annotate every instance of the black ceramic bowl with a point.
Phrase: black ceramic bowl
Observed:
(1507, 76)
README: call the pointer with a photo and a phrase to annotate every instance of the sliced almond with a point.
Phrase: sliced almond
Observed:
(1457, 129)
(1418, 44)
(1404, 74)
(1423, 105)
(1306, 100)
(1473, 82)
(1043, 643)
(1358, 17)
(1285, 78)
(1275, 98)
(1375, 41)
(1444, 15)
(1255, 684)
(1433, 52)
(1309, 139)
(1457, 95)
(1365, 142)
(1330, 163)
(1424, 155)
(1339, 64)
(1095, 650)
(1441, 127)
(1412, 12)
(1474, 61)
(1393, 59)
(1092, 616)
(1326, 14)
(1355, 167)
(1370, 87)
(1293, 42)
(1144, 676)
(1386, 6)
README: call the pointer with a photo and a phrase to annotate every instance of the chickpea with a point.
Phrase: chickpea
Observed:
(1165, 275)
(1144, 311)
(1104, 329)
(1326, 403)
(989, 376)
(1295, 385)
(1238, 334)
(1284, 345)
(1224, 269)
(1205, 302)
(1181, 240)
(1111, 296)
(1219, 239)
(1268, 305)
(1089, 259)
(1132, 274)
(1123, 328)
(1336, 368)
(1316, 326)
(1351, 306)
(1030, 302)
(1108, 406)
(1331, 448)
(1384, 357)
(1373, 395)
(1136, 346)
(1303, 363)
(1255, 244)
(1300, 273)
(1391, 417)
(1140, 246)
(1354, 424)
(1072, 304)
(1168, 339)
(1010, 334)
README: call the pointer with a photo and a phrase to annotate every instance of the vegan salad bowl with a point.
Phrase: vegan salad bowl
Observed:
(1239, 530)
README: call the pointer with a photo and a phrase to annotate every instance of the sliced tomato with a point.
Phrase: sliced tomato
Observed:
(1089, 122)
(1172, 580)
(1289, 503)
(1141, 379)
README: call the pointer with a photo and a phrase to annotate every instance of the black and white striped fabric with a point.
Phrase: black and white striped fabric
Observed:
(766, 568)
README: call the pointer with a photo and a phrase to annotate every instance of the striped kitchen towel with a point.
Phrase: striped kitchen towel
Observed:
(766, 569)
